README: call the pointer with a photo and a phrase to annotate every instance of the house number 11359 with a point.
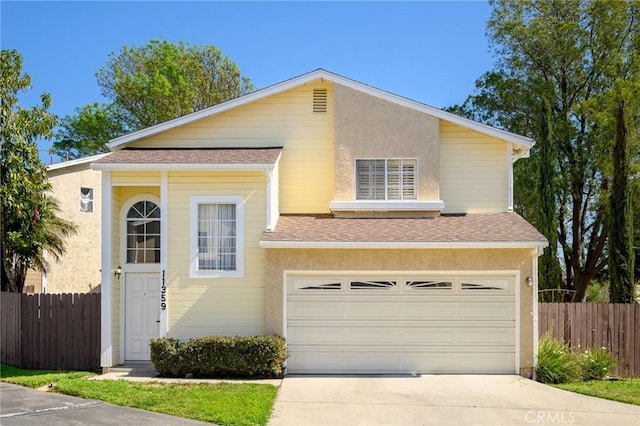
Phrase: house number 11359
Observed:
(163, 293)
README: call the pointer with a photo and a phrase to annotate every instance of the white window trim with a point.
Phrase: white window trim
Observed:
(194, 201)
(386, 177)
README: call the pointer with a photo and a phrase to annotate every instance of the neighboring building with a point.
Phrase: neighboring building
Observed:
(375, 233)
(77, 189)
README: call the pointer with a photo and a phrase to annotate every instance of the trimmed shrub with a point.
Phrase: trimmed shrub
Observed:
(556, 362)
(221, 356)
(596, 363)
(165, 356)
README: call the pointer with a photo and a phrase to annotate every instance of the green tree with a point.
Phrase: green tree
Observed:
(559, 51)
(547, 217)
(621, 256)
(147, 85)
(29, 222)
(160, 81)
(88, 131)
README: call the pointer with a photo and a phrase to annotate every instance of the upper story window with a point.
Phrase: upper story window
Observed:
(143, 233)
(217, 240)
(86, 200)
(386, 179)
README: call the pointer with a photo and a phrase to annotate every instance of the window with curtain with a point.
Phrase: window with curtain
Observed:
(386, 179)
(217, 236)
(143, 233)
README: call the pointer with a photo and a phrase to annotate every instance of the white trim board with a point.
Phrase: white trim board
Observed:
(178, 166)
(401, 245)
(76, 162)
(386, 205)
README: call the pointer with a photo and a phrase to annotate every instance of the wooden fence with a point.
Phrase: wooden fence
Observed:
(615, 326)
(50, 331)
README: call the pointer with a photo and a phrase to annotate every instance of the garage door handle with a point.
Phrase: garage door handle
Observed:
(158, 321)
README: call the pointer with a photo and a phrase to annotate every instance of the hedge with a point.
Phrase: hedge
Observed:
(220, 356)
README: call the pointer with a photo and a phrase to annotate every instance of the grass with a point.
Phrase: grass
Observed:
(627, 391)
(37, 378)
(222, 403)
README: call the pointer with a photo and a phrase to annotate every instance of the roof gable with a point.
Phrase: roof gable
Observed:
(523, 143)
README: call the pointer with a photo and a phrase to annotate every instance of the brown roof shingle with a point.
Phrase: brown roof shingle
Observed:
(193, 156)
(472, 228)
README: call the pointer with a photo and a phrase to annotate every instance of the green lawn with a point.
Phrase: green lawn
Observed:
(223, 403)
(618, 390)
(36, 378)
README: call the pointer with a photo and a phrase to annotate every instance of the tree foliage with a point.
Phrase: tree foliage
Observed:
(29, 222)
(621, 256)
(94, 124)
(147, 85)
(573, 54)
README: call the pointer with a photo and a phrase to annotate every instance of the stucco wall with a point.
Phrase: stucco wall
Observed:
(369, 127)
(281, 260)
(79, 269)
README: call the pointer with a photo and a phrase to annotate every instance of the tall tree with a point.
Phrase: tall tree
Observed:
(161, 80)
(621, 256)
(28, 215)
(559, 51)
(547, 217)
(147, 85)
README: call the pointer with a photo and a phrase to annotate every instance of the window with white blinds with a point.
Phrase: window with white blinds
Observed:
(216, 236)
(386, 179)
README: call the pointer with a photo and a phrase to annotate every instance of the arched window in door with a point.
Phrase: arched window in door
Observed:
(143, 233)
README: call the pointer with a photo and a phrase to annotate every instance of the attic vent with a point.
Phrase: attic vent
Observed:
(319, 100)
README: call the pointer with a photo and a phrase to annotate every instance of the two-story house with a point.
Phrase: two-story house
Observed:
(373, 232)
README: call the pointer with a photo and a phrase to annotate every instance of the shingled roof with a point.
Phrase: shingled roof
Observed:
(227, 156)
(508, 229)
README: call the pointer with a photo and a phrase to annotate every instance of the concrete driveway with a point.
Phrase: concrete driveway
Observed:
(24, 406)
(440, 400)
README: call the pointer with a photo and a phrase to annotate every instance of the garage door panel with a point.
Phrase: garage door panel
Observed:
(362, 362)
(401, 328)
(315, 309)
(419, 336)
(401, 309)
(487, 310)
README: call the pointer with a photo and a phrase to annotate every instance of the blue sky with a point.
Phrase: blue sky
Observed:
(428, 51)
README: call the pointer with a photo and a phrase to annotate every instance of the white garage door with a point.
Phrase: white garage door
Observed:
(401, 324)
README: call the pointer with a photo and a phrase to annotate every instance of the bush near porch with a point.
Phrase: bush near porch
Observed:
(220, 356)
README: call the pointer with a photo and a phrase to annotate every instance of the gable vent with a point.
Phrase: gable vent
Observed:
(319, 100)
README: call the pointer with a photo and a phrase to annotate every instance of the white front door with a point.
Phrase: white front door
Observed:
(142, 314)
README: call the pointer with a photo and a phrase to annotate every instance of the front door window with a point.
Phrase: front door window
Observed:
(143, 233)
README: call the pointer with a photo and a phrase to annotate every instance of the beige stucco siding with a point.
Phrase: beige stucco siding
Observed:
(368, 127)
(287, 120)
(473, 171)
(281, 260)
(207, 306)
(78, 271)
